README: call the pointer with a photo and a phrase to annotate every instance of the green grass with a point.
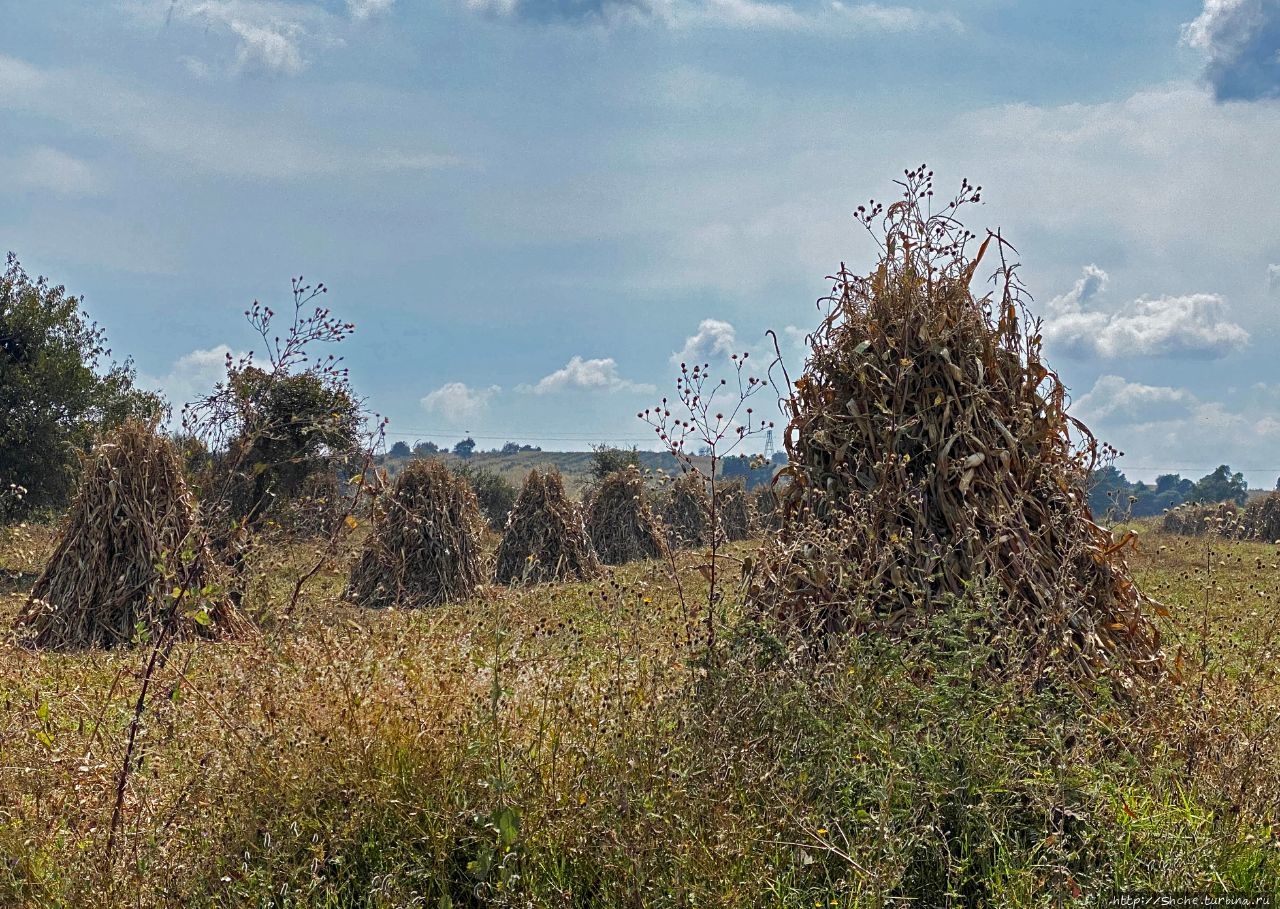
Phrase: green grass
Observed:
(564, 746)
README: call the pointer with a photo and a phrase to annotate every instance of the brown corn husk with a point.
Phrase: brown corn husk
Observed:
(129, 542)
(686, 511)
(1198, 520)
(545, 539)
(622, 526)
(424, 548)
(732, 511)
(1261, 519)
(931, 451)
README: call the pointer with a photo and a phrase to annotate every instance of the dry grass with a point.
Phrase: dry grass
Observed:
(545, 539)
(424, 548)
(129, 560)
(551, 746)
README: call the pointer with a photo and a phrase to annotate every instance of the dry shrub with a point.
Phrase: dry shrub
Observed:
(1261, 519)
(545, 539)
(1198, 520)
(621, 524)
(686, 511)
(732, 512)
(129, 540)
(424, 548)
(931, 451)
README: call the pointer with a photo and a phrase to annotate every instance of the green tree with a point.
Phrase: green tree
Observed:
(1220, 486)
(605, 459)
(274, 426)
(422, 449)
(59, 388)
(401, 450)
(465, 448)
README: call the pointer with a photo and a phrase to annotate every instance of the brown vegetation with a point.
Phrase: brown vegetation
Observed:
(545, 539)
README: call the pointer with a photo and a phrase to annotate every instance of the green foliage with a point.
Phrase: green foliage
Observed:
(606, 459)
(400, 450)
(1220, 486)
(465, 448)
(422, 449)
(494, 493)
(1112, 496)
(58, 389)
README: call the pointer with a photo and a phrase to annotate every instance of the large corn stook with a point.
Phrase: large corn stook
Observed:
(931, 451)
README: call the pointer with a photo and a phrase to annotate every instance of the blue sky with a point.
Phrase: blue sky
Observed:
(532, 208)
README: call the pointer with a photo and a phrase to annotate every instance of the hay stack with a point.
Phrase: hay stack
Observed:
(930, 450)
(545, 539)
(1198, 520)
(766, 514)
(686, 511)
(1261, 520)
(424, 548)
(620, 522)
(732, 512)
(120, 555)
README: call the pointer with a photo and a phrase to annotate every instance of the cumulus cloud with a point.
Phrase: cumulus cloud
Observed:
(192, 375)
(457, 402)
(361, 10)
(266, 37)
(1241, 42)
(49, 170)
(714, 340)
(1165, 429)
(1192, 325)
(589, 375)
(1113, 398)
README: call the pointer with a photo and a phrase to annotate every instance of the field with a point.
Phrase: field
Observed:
(571, 746)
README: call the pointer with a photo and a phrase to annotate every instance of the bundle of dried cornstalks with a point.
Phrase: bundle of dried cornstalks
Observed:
(1261, 519)
(931, 450)
(1197, 520)
(686, 511)
(766, 515)
(620, 522)
(424, 548)
(130, 558)
(545, 539)
(732, 513)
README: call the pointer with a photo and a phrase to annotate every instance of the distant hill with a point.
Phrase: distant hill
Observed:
(574, 466)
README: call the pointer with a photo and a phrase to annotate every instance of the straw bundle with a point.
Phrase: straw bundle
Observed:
(732, 512)
(545, 539)
(1261, 520)
(766, 514)
(930, 450)
(686, 511)
(1198, 520)
(621, 524)
(424, 548)
(129, 540)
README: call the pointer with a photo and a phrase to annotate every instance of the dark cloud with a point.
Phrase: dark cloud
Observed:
(1241, 39)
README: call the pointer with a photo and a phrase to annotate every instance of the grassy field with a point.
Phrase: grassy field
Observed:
(569, 746)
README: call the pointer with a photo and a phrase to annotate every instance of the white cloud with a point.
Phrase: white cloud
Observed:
(49, 170)
(1171, 430)
(1192, 325)
(1241, 43)
(458, 403)
(192, 375)
(1273, 278)
(1114, 398)
(270, 49)
(265, 37)
(590, 375)
(361, 10)
(714, 340)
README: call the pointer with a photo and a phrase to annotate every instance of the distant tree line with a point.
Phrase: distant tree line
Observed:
(1111, 493)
